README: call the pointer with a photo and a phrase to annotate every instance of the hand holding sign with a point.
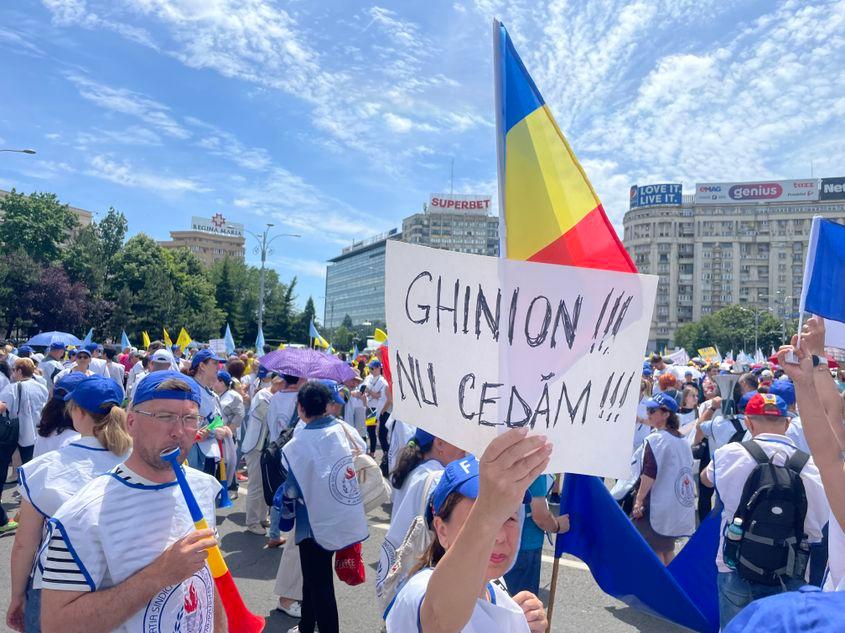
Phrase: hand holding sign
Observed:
(481, 344)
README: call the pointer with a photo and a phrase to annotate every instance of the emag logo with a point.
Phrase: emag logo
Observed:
(710, 189)
(762, 191)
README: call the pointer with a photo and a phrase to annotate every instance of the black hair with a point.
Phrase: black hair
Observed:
(4, 368)
(54, 416)
(313, 397)
(110, 352)
(290, 379)
(409, 458)
(145, 361)
(751, 380)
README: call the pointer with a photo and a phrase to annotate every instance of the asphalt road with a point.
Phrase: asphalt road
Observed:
(580, 606)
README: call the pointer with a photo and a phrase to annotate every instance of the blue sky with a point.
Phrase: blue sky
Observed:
(335, 119)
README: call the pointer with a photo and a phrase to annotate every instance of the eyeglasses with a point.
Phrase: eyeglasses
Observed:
(189, 421)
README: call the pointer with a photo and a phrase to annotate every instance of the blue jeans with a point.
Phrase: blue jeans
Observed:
(32, 609)
(525, 573)
(735, 593)
(273, 531)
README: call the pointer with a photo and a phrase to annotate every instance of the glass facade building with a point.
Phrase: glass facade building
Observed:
(355, 282)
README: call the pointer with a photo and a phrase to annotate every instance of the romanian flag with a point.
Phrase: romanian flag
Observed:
(549, 210)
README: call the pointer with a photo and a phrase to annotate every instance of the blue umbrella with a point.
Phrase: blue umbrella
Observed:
(43, 339)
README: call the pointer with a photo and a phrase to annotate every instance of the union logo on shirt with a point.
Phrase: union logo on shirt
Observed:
(685, 487)
(343, 484)
(184, 608)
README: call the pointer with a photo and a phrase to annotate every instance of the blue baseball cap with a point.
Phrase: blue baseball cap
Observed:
(334, 390)
(83, 351)
(96, 394)
(174, 347)
(662, 400)
(263, 372)
(785, 389)
(423, 439)
(92, 347)
(58, 345)
(150, 388)
(743, 401)
(647, 370)
(374, 363)
(74, 352)
(460, 476)
(224, 376)
(25, 349)
(802, 611)
(67, 384)
(204, 355)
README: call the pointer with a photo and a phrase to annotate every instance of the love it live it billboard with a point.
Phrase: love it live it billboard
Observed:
(765, 191)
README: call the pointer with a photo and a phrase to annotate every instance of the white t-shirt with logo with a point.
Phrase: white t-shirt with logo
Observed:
(378, 385)
(498, 615)
(118, 524)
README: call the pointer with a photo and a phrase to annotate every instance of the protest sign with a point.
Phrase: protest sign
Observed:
(479, 344)
(710, 354)
(218, 346)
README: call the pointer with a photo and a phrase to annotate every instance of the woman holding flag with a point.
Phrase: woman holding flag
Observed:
(51, 479)
(207, 453)
(475, 515)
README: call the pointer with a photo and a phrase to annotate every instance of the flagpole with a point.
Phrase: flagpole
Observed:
(555, 569)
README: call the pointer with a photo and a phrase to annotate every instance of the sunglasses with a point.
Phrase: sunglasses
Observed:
(651, 410)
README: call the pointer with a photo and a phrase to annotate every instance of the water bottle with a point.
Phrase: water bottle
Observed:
(733, 536)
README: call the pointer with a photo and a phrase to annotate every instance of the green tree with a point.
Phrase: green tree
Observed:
(342, 338)
(19, 273)
(347, 321)
(38, 222)
(83, 259)
(300, 333)
(112, 232)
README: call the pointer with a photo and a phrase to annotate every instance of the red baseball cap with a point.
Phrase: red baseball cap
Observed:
(766, 404)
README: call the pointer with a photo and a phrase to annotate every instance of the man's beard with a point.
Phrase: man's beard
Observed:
(154, 459)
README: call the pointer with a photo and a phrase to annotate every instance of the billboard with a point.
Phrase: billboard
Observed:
(458, 203)
(832, 189)
(766, 191)
(656, 195)
(218, 225)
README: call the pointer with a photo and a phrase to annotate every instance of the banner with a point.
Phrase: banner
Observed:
(832, 189)
(656, 195)
(479, 344)
(218, 346)
(710, 354)
(771, 191)
(458, 203)
(679, 357)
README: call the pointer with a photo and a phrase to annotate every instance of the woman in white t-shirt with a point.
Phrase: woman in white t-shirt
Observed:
(475, 515)
(379, 403)
(417, 473)
(55, 429)
(53, 478)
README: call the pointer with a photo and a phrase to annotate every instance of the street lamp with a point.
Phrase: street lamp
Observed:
(19, 151)
(263, 249)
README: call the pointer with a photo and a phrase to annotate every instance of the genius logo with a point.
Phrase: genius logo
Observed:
(761, 191)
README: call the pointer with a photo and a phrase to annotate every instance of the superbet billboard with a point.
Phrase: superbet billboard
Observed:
(765, 191)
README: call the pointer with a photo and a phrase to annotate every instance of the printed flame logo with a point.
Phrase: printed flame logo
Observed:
(191, 600)
(218, 220)
(350, 472)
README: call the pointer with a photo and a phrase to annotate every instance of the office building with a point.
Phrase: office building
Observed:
(210, 239)
(355, 281)
(455, 222)
(728, 243)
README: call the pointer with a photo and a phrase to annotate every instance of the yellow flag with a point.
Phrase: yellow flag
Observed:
(281, 346)
(167, 340)
(184, 339)
(380, 336)
(145, 339)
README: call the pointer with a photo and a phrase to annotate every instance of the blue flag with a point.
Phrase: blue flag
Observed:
(355, 351)
(823, 292)
(625, 567)
(89, 338)
(259, 343)
(230, 342)
(124, 340)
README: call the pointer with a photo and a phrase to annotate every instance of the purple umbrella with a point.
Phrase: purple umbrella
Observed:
(306, 363)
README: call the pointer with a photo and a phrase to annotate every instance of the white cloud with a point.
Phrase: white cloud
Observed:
(123, 173)
(20, 43)
(133, 135)
(130, 103)
(305, 267)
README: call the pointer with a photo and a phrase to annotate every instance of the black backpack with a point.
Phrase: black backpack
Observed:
(772, 508)
(739, 431)
(273, 471)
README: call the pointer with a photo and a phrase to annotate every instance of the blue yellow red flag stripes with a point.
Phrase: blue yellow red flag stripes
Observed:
(549, 211)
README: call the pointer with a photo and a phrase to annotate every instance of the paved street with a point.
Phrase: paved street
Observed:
(580, 605)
